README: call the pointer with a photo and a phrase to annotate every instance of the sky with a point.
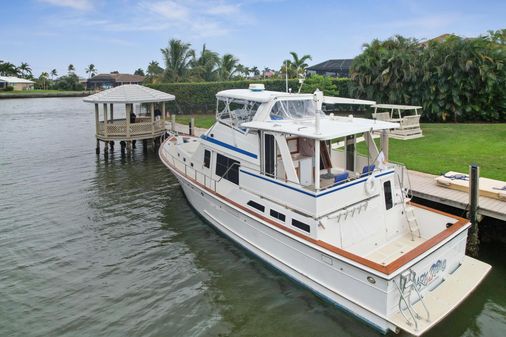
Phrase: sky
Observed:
(123, 35)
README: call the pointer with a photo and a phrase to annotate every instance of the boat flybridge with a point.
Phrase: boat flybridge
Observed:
(271, 175)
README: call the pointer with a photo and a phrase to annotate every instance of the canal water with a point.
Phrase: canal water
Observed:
(94, 247)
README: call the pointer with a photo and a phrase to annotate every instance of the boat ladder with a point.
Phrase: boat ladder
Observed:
(407, 283)
(412, 222)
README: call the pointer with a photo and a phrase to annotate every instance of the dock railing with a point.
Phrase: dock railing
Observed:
(141, 127)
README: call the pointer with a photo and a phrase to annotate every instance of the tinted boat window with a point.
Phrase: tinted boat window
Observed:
(207, 158)
(301, 225)
(387, 187)
(227, 168)
(256, 205)
(277, 215)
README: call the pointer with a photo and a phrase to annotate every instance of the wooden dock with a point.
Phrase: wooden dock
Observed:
(424, 186)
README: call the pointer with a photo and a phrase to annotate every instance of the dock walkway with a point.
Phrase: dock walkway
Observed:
(424, 186)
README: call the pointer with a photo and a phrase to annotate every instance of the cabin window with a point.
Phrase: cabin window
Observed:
(256, 205)
(387, 187)
(277, 215)
(227, 168)
(207, 158)
(301, 225)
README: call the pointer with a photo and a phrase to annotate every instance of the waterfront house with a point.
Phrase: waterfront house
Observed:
(335, 68)
(111, 80)
(16, 82)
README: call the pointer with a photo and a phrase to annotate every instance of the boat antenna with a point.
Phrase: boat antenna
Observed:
(318, 99)
(286, 74)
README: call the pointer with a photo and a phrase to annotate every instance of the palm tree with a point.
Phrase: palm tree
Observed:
(255, 71)
(206, 66)
(228, 66)
(177, 57)
(43, 79)
(25, 69)
(8, 69)
(71, 69)
(154, 72)
(53, 73)
(91, 70)
(300, 63)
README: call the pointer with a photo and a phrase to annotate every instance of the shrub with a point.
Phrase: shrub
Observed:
(200, 97)
(9, 88)
(455, 79)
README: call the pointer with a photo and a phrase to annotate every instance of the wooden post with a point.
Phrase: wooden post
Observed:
(317, 164)
(173, 122)
(128, 112)
(97, 150)
(97, 121)
(192, 126)
(152, 108)
(384, 143)
(474, 191)
(112, 113)
(164, 113)
(105, 120)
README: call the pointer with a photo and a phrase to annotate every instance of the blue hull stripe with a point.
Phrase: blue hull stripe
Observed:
(228, 146)
(358, 181)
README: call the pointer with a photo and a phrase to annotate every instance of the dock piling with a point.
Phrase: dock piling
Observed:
(173, 122)
(474, 188)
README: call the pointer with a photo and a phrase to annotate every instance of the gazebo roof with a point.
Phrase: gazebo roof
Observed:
(129, 93)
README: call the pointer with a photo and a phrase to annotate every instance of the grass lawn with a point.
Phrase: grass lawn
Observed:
(452, 147)
(444, 147)
(201, 121)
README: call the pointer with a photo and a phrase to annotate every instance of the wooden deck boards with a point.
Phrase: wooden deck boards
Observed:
(424, 186)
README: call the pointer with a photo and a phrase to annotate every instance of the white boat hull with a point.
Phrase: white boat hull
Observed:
(286, 255)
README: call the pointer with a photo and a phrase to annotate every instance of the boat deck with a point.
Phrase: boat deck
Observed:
(394, 249)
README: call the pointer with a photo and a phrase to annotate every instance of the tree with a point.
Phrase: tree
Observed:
(154, 72)
(42, 80)
(53, 73)
(26, 70)
(69, 82)
(91, 70)
(255, 71)
(139, 71)
(228, 67)
(299, 64)
(8, 69)
(177, 57)
(320, 82)
(71, 69)
(206, 66)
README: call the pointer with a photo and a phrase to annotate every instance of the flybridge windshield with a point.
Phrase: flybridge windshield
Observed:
(236, 111)
(293, 109)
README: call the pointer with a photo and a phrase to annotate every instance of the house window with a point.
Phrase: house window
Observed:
(277, 215)
(227, 168)
(387, 187)
(256, 205)
(207, 158)
(301, 225)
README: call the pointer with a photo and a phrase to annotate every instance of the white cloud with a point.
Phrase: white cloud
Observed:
(168, 9)
(223, 9)
(82, 5)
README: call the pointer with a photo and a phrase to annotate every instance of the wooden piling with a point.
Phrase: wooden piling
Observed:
(173, 122)
(473, 241)
(191, 127)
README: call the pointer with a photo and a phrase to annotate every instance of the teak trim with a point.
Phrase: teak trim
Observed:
(385, 269)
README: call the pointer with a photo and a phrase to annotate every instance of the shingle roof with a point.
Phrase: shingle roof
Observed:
(332, 65)
(12, 79)
(129, 93)
(122, 78)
